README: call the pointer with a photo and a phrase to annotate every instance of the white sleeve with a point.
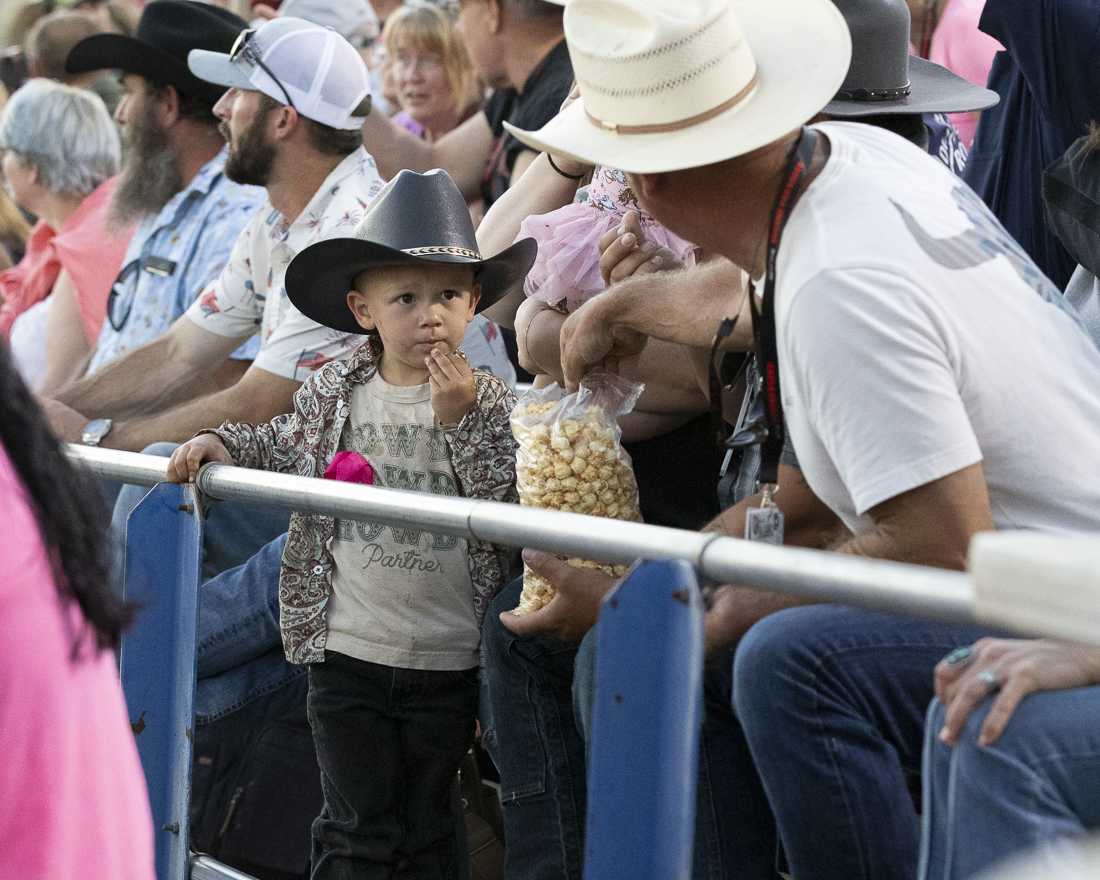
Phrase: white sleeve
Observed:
(298, 346)
(229, 305)
(871, 357)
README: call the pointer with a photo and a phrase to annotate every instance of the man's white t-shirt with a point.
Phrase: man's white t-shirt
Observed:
(916, 338)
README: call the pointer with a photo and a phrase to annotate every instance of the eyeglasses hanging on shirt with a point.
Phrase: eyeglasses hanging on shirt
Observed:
(120, 301)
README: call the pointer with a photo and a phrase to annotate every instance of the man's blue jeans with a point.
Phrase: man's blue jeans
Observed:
(529, 731)
(240, 651)
(536, 709)
(233, 531)
(1038, 783)
(832, 700)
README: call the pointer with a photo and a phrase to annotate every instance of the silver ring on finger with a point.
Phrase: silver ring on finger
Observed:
(990, 679)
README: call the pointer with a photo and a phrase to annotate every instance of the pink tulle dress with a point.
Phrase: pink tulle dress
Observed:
(567, 270)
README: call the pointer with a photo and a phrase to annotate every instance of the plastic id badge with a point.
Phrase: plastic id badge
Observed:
(765, 523)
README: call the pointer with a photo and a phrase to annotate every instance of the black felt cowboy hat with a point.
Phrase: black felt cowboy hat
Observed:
(418, 219)
(884, 78)
(167, 31)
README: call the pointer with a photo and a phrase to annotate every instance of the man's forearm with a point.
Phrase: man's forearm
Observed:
(808, 522)
(664, 368)
(147, 380)
(393, 148)
(462, 152)
(883, 541)
(182, 423)
(684, 307)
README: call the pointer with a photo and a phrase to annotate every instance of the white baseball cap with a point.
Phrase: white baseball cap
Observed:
(295, 62)
(354, 20)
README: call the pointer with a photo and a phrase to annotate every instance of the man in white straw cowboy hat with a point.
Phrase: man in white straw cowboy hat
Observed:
(887, 312)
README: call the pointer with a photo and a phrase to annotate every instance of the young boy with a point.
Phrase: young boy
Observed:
(388, 619)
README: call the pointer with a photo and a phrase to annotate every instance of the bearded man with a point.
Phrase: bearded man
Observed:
(173, 184)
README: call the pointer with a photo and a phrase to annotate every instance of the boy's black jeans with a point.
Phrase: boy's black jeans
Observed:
(389, 742)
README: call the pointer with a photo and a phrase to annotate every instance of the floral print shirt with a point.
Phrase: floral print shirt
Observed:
(482, 454)
(250, 295)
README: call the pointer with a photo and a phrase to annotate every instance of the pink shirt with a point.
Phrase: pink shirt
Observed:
(85, 246)
(959, 46)
(73, 801)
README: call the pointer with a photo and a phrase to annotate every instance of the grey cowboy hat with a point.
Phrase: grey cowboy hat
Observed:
(885, 79)
(417, 219)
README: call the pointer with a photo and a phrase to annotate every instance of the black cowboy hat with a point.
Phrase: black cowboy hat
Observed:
(167, 31)
(418, 219)
(884, 78)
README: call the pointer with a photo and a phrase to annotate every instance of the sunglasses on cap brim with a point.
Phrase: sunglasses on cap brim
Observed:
(242, 50)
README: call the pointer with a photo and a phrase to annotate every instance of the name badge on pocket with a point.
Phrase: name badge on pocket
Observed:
(159, 266)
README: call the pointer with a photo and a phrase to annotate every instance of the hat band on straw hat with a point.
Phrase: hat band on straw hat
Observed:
(662, 127)
(441, 249)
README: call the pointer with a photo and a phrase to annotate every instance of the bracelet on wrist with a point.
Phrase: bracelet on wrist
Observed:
(554, 165)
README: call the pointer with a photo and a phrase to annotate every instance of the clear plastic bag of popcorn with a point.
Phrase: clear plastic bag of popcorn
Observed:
(570, 458)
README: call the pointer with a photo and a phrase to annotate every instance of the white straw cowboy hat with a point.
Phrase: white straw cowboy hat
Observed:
(673, 84)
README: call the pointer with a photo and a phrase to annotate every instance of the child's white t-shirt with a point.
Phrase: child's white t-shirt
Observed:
(401, 596)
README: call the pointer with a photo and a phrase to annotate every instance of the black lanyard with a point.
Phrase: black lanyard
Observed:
(763, 319)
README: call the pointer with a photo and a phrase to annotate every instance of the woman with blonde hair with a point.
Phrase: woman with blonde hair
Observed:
(436, 83)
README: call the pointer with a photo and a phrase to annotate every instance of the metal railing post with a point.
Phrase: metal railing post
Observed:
(162, 574)
(644, 751)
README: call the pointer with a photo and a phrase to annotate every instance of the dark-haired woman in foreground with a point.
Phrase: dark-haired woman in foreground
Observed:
(72, 795)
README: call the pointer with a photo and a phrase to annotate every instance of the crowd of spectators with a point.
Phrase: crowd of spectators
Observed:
(858, 237)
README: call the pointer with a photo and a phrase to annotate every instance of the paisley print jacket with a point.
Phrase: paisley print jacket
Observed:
(483, 456)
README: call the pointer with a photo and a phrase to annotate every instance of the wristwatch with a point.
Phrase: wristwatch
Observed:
(95, 431)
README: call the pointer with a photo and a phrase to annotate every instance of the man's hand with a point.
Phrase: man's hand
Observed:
(66, 422)
(1011, 668)
(573, 610)
(454, 392)
(183, 466)
(626, 252)
(724, 622)
(589, 340)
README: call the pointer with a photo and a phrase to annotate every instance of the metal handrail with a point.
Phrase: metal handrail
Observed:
(811, 574)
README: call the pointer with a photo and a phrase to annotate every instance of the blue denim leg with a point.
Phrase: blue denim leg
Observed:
(1039, 783)
(832, 700)
(240, 652)
(734, 831)
(531, 735)
(232, 531)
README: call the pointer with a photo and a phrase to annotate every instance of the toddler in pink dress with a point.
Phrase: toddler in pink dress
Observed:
(566, 273)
